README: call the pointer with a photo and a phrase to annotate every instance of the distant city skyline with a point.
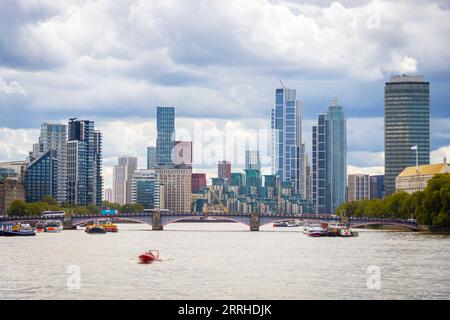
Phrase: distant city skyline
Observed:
(106, 79)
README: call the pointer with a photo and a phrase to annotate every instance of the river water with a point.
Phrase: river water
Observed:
(225, 261)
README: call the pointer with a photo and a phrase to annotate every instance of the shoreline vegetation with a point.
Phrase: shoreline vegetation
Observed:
(429, 207)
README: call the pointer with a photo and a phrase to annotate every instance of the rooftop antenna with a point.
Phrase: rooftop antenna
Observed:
(282, 84)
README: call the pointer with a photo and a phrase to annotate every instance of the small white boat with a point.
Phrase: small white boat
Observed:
(316, 231)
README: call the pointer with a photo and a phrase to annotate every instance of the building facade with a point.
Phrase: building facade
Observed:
(54, 137)
(224, 170)
(329, 165)
(358, 187)
(377, 187)
(84, 164)
(151, 158)
(11, 189)
(413, 179)
(406, 124)
(252, 160)
(146, 189)
(165, 139)
(108, 195)
(122, 179)
(41, 177)
(198, 182)
(177, 187)
(287, 153)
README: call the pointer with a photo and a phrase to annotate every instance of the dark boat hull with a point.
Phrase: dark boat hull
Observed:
(16, 234)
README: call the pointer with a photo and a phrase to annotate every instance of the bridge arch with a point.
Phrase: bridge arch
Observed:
(244, 221)
(380, 223)
(137, 220)
(266, 221)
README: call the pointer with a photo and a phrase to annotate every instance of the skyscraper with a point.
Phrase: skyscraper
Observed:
(176, 188)
(151, 158)
(358, 187)
(329, 167)
(319, 165)
(54, 137)
(122, 179)
(165, 140)
(84, 164)
(287, 153)
(224, 170)
(336, 156)
(406, 125)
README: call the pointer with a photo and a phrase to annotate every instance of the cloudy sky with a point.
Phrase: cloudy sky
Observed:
(218, 62)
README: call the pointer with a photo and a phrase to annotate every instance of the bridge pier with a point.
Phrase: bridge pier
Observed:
(254, 221)
(156, 221)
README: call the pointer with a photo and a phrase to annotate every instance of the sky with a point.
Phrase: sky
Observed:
(218, 62)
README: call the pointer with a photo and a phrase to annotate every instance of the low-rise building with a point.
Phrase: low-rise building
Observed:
(413, 179)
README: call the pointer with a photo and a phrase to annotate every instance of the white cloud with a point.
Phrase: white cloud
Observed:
(12, 87)
(438, 156)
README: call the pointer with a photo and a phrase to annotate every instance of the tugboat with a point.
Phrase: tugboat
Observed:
(17, 230)
(95, 229)
(149, 257)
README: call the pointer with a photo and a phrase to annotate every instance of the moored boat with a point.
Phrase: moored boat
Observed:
(17, 230)
(40, 227)
(316, 231)
(53, 226)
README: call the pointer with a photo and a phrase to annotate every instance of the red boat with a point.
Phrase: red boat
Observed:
(149, 256)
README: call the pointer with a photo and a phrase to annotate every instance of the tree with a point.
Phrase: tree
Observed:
(93, 209)
(17, 208)
(50, 200)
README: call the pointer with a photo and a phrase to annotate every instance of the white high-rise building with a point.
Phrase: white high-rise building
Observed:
(122, 179)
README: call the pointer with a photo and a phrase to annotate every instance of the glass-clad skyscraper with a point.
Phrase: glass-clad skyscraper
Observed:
(41, 177)
(84, 164)
(165, 140)
(406, 125)
(329, 164)
(145, 189)
(287, 151)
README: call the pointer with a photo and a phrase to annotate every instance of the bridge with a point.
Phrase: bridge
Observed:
(158, 219)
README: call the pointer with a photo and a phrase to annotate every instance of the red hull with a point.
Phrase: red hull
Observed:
(146, 258)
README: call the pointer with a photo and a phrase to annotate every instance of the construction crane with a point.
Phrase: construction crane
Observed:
(211, 191)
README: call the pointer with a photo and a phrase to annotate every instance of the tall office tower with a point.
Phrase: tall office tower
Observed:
(182, 153)
(84, 155)
(146, 189)
(122, 176)
(151, 158)
(287, 154)
(224, 170)
(336, 156)
(165, 140)
(54, 137)
(198, 182)
(98, 165)
(177, 188)
(358, 187)
(329, 173)
(406, 125)
(308, 179)
(108, 195)
(252, 160)
(41, 177)
(377, 187)
(319, 165)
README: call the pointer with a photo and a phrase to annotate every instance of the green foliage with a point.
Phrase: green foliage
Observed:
(429, 207)
(131, 208)
(17, 208)
(50, 200)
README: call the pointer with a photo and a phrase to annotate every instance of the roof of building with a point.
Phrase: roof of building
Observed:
(429, 169)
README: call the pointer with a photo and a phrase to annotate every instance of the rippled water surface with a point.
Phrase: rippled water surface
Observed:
(224, 261)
